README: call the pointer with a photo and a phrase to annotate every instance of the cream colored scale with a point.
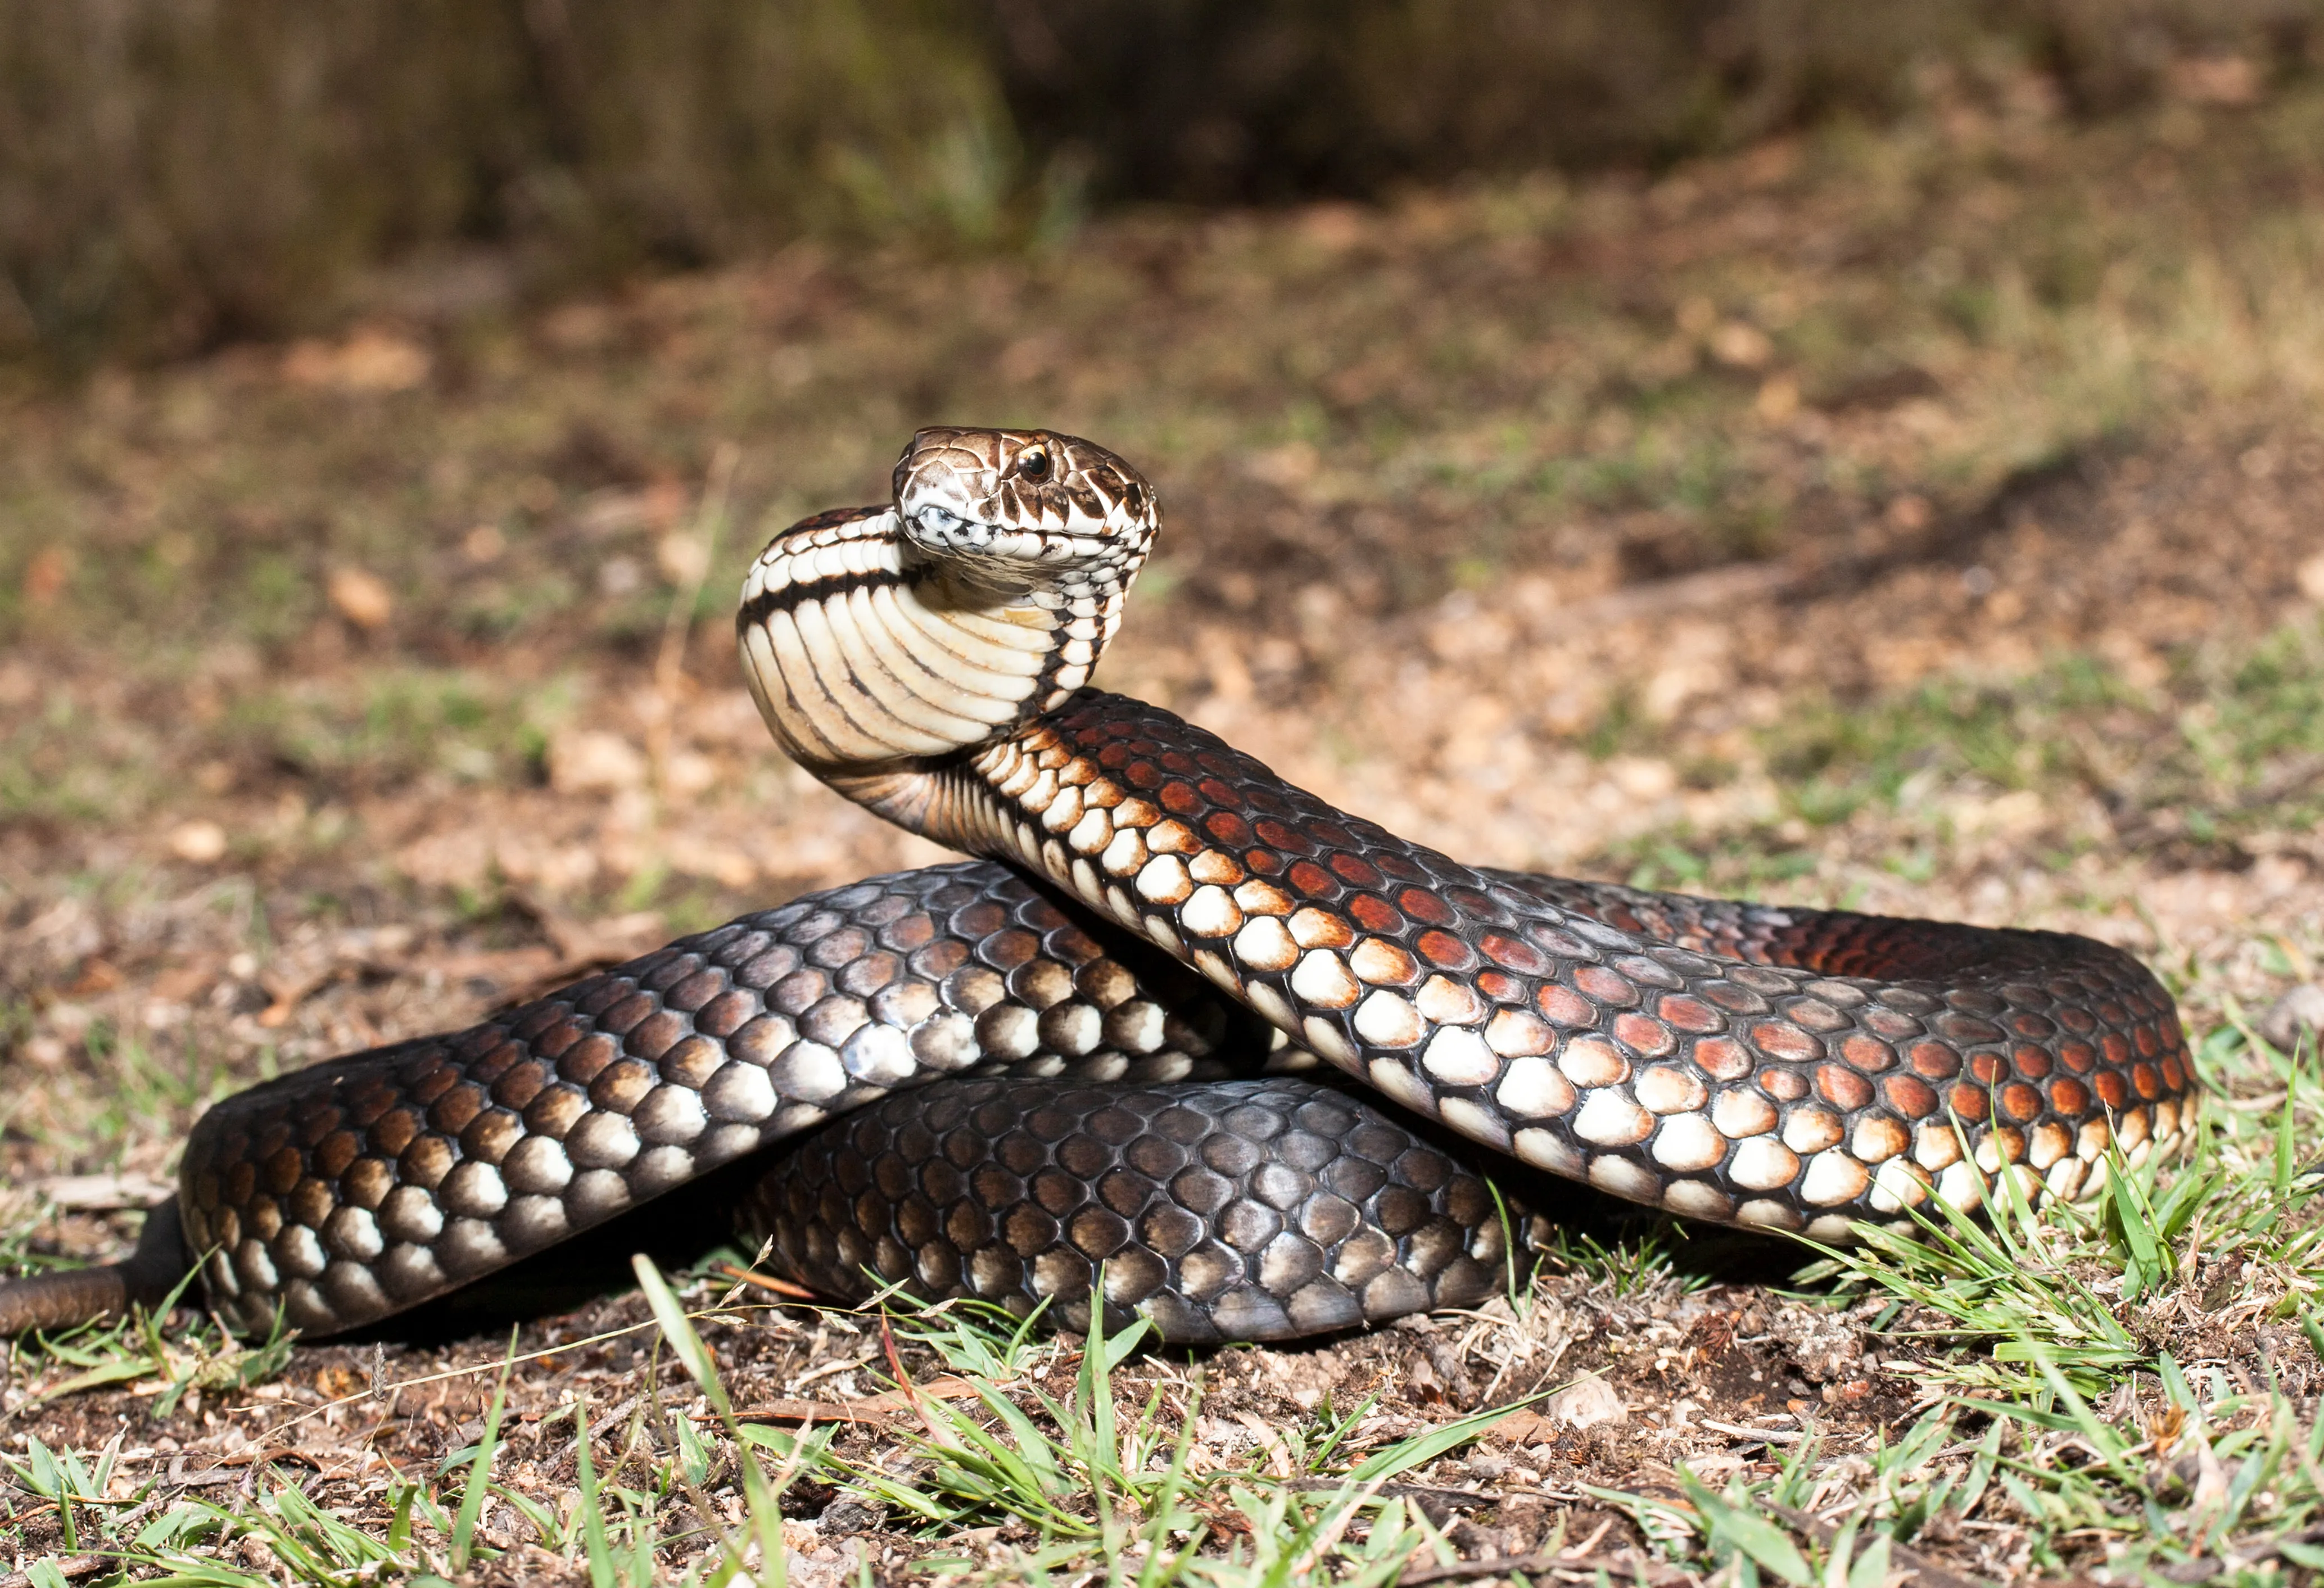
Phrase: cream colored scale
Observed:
(885, 670)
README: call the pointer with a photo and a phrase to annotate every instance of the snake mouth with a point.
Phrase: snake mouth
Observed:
(941, 530)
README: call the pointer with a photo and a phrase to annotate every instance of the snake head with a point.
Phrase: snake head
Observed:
(1024, 506)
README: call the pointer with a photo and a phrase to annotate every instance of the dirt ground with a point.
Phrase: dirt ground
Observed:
(357, 688)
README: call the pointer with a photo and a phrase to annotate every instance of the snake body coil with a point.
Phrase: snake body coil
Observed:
(1157, 911)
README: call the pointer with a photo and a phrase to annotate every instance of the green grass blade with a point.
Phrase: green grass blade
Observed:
(472, 1501)
(1423, 1448)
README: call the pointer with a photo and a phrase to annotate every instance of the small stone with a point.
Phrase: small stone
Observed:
(2298, 1014)
(362, 598)
(1741, 345)
(1585, 1403)
(591, 762)
(843, 1516)
(198, 842)
(484, 544)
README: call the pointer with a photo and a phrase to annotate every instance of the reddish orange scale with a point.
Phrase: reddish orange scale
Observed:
(1842, 1087)
(1722, 1058)
(1643, 1035)
(1968, 1101)
(1689, 1014)
(1869, 1054)
(2069, 1097)
(1910, 1095)
(1604, 985)
(1422, 905)
(2029, 1062)
(1350, 869)
(1276, 836)
(1444, 950)
(1562, 1006)
(1375, 914)
(1514, 953)
(1226, 827)
(1781, 1039)
(2113, 1090)
(2146, 1081)
(2020, 1101)
(1312, 880)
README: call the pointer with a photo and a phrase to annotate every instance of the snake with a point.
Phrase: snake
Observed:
(1180, 1040)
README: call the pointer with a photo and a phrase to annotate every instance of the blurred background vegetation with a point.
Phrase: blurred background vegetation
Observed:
(175, 174)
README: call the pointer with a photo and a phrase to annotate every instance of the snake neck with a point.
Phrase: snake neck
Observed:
(870, 657)
(881, 644)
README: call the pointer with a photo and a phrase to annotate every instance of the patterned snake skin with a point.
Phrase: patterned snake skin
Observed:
(1050, 1058)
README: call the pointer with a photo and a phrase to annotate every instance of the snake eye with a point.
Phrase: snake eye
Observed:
(1033, 465)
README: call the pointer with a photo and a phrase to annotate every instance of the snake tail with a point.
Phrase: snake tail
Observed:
(75, 1297)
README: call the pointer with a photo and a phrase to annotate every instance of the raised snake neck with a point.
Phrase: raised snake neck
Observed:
(1788, 1069)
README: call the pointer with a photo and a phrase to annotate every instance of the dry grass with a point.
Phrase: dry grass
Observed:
(1921, 520)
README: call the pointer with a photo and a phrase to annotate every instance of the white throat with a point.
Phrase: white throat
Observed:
(861, 650)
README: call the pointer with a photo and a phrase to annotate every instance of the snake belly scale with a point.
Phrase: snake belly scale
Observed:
(1049, 1057)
